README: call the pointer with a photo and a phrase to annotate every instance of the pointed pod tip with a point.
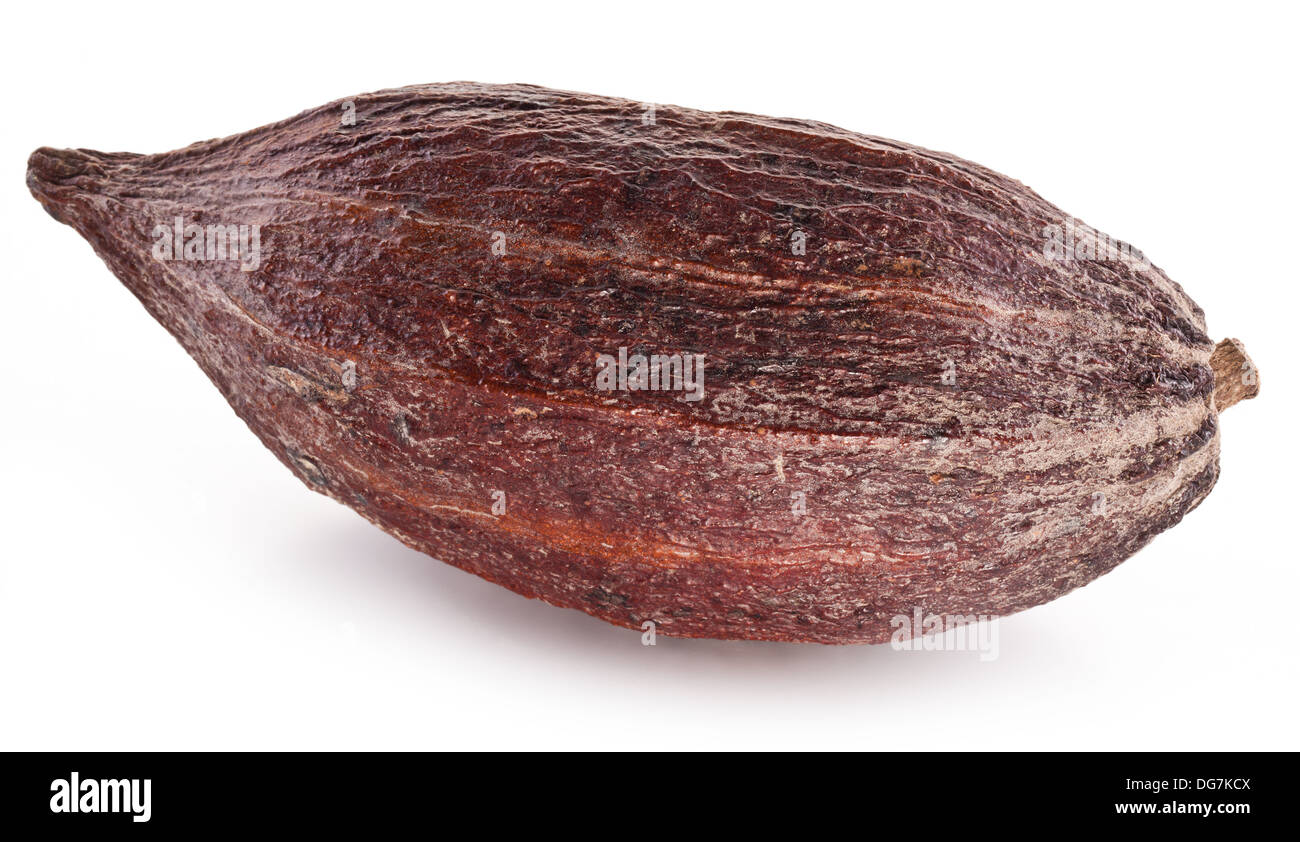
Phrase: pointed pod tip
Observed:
(48, 166)
(52, 175)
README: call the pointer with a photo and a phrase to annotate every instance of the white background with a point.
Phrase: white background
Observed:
(166, 584)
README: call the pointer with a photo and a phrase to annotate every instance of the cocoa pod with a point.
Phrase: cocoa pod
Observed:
(889, 380)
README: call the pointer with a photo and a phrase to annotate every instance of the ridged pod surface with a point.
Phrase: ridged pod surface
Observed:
(908, 404)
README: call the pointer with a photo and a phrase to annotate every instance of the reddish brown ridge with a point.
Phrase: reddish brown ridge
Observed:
(925, 408)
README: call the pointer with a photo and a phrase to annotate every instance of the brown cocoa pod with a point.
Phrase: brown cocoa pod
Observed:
(904, 383)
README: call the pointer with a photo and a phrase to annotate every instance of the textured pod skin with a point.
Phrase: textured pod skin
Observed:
(920, 412)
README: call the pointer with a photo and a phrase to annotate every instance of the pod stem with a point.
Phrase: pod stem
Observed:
(1235, 376)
